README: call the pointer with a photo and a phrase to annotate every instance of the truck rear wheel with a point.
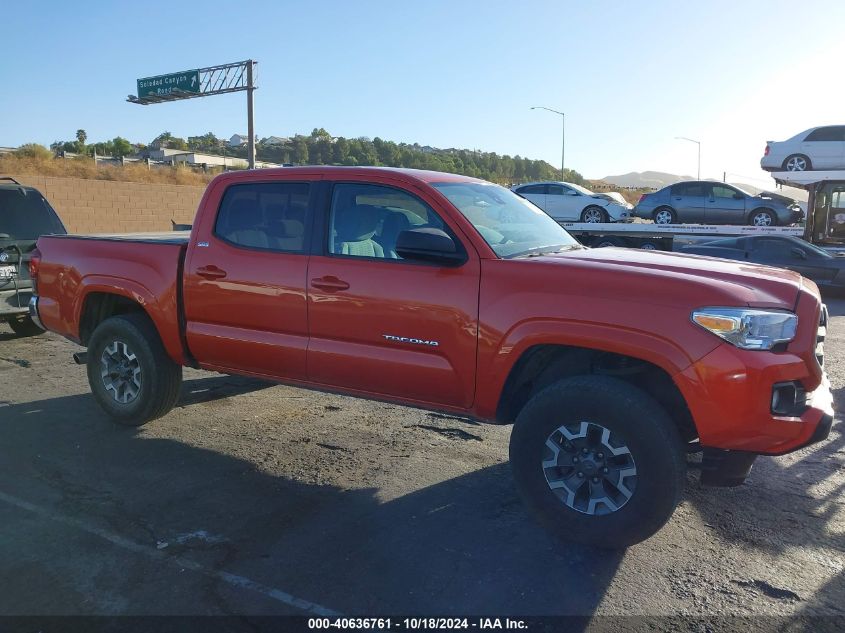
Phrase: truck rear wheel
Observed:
(598, 461)
(130, 374)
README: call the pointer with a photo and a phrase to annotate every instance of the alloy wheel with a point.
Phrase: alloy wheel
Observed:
(120, 370)
(593, 216)
(589, 468)
(761, 219)
(663, 217)
(796, 163)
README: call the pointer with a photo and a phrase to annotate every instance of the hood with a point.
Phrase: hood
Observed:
(613, 196)
(770, 195)
(671, 278)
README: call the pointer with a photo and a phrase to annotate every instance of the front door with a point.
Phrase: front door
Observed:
(724, 205)
(383, 325)
(245, 302)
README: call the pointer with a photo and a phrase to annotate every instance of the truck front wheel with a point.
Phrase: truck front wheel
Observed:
(130, 374)
(598, 461)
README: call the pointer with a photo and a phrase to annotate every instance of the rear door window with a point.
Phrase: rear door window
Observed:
(831, 133)
(268, 216)
(26, 215)
(532, 189)
(694, 189)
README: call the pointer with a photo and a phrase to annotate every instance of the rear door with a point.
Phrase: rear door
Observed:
(724, 205)
(535, 194)
(826, 147)
(563, 203)
(244, 279)
(687, 198)
(386, 326)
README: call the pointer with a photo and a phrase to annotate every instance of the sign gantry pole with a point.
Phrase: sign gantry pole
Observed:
(250, 123)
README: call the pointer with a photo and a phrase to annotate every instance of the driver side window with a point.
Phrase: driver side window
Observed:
(720, 191)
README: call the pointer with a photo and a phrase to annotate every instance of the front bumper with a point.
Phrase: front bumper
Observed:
(730, 392)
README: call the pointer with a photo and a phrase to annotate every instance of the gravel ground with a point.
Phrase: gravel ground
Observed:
(251, 498)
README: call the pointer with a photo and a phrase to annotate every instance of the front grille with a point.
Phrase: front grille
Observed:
(820, 336)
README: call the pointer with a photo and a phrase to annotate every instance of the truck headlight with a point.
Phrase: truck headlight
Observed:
(748, 328)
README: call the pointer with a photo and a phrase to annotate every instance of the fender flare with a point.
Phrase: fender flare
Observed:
(659, 351)
(138, 293)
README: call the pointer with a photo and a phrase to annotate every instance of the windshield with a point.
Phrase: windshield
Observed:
(511, 225)
(580, 189)
(25, 215)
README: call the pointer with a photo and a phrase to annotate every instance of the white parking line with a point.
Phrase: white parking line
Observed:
(151, 552)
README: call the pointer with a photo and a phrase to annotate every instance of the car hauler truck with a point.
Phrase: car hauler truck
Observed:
(824, 225)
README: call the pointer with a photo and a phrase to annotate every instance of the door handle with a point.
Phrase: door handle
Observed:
(329, 283)
(678, 198)
(211, 272)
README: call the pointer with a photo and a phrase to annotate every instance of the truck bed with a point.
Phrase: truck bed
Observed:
(144, 268)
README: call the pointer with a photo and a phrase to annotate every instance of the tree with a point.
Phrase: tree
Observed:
(81, 137)
(33, 150)
(121, 147)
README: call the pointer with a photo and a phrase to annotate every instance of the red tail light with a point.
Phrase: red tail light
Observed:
(642, 197)
(34, 265)
(766, 151)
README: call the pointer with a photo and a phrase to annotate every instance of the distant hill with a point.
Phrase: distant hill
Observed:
(645, 179)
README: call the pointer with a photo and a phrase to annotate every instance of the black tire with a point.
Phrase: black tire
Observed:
(25, 326)
(758, 218)
(604, 242)
(159, 377)
(589, 214)
(628, 413)
(649, 245)
(660, 212)
(797, 162)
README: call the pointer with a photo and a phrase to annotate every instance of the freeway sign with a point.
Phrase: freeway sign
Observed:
(165, 85)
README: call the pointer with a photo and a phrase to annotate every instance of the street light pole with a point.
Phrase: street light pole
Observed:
(684, 138)
(562, 134)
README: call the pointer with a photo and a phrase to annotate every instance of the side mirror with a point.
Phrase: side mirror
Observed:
(429, 244)
(797, 253)
(738, 196)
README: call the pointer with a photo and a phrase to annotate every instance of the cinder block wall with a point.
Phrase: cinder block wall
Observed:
(106, 206)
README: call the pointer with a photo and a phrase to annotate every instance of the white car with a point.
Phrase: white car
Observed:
(565, 201)
(816, 148)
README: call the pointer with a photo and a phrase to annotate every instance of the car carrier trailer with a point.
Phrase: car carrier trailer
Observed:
(824, 225)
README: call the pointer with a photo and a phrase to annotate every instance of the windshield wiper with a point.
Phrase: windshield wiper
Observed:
(538, 251)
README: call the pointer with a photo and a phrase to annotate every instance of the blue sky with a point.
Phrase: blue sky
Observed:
(630, 76)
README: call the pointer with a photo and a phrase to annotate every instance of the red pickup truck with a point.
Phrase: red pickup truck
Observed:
(450, 293)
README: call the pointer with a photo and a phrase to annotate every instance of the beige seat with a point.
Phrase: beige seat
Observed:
(245, 225)
(356, 226)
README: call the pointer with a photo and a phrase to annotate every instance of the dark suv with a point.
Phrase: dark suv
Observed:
(25, 215)
(713, 202)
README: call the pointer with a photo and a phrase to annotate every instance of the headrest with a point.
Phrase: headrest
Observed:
(357, 223)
